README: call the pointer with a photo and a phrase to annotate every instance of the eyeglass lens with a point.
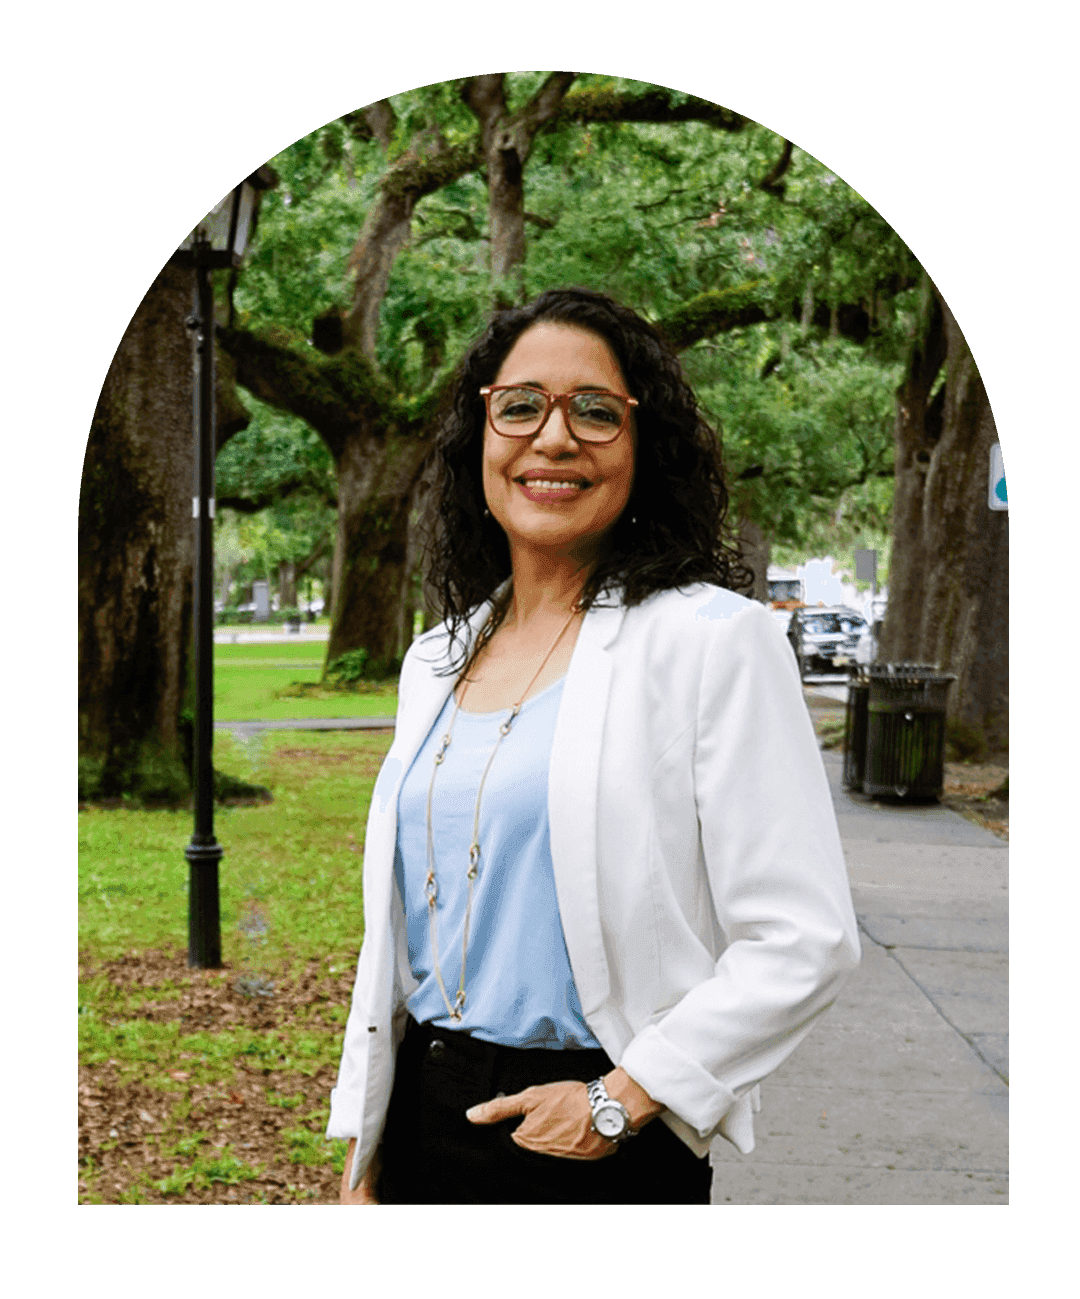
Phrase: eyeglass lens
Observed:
(593, 416)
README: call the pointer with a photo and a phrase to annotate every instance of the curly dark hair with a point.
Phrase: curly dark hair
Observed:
(678, 497)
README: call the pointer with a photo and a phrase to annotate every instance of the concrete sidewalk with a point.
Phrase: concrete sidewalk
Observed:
(310, 724)
(899, 1095)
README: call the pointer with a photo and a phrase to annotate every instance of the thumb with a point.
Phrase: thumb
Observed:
(494, 1111)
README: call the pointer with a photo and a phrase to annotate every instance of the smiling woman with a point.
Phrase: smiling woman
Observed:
(558, 455)
(586, 920)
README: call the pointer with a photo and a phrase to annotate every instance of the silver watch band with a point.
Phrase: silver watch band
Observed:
(600, 1100)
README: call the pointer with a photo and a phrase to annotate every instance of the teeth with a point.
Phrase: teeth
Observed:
(549, 484)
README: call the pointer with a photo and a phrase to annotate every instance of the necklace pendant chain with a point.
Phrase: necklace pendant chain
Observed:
(431, 886)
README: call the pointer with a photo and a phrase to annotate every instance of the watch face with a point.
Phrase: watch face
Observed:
(609, 1122)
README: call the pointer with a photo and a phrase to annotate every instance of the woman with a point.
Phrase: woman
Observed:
(604, 891)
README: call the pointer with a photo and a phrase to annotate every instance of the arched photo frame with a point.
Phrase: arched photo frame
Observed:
(957, 235)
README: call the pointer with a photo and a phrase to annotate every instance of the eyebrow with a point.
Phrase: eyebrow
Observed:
(581, 387)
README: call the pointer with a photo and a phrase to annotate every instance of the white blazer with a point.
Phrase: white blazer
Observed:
(698, 868)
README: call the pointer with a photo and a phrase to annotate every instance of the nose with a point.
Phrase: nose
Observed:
(555, 437)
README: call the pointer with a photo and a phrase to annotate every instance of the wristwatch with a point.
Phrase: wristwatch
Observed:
(610, 1118)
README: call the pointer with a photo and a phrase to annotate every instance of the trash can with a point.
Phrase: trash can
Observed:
(905, 730)
(858, 695)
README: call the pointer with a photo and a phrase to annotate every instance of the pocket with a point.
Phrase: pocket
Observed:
(450, 1083)
(505, 1141)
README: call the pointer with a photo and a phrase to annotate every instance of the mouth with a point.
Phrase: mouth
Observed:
(549, 489)
(540, 486)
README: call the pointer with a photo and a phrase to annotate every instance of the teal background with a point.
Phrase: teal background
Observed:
(124, 124)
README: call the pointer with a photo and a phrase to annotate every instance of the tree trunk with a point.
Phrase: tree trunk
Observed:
(506, 142)
(948, 579)
(755, 555)
(287, 584)
(332, 595)
(371, 560)
(136, 556)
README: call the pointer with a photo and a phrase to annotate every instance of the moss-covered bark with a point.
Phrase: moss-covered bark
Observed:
(135, 560)
(949, 576)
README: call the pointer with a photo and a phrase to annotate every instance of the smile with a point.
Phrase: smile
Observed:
(549, 489)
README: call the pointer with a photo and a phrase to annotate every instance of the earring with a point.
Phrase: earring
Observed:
(633, 518)
(487, 513)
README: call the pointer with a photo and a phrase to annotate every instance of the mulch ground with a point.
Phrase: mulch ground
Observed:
(129, 1129)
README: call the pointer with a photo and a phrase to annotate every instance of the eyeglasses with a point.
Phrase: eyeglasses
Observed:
(595, 416)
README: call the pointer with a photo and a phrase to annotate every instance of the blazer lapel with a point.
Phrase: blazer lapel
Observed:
(573, 781)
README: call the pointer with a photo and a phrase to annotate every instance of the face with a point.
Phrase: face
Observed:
(551, 491)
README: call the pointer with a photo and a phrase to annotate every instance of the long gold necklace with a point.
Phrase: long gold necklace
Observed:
(431, 886)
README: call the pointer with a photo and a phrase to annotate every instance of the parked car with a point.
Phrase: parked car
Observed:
(825, 638)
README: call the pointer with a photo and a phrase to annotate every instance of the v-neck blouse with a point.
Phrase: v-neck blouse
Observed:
(519, 986)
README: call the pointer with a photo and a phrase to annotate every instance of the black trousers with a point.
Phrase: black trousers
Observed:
(432, 1154)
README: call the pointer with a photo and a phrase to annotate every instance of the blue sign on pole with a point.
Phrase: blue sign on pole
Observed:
(999, 496)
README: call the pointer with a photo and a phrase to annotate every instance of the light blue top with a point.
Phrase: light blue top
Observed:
(519, 987)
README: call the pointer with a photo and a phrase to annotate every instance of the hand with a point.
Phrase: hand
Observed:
(365, 1191)
(558, 1120)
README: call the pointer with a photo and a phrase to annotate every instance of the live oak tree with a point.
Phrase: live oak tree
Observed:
(396, 229)
(136, 556)
(679, 206)
(949, 581)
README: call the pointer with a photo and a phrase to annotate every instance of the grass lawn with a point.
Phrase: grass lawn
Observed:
(213, 1086)
(248, 680)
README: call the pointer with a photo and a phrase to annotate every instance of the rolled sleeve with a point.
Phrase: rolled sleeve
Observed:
(779, 885)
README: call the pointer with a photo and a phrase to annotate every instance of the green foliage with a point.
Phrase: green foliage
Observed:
(354, 666)
(655, 213)
(280, 463)
(819, 426)
(348, 667)
(276, 453)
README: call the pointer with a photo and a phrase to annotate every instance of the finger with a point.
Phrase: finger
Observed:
(502, 1107)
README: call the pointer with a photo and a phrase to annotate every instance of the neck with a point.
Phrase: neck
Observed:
(544, 585)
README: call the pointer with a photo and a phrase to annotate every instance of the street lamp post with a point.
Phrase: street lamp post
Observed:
(219, 240)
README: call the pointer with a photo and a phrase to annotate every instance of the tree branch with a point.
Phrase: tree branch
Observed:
(546, 103)
(381, 121)
(373, 122)
(646, 207)
(718, 310)
(770, 184)
(303, 565)
(605, 105)
(714, 312)
(506, 140)
(334, 395)
(386, 231)
(486, 99)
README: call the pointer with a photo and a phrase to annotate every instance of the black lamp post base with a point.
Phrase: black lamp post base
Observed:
(204, 923)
